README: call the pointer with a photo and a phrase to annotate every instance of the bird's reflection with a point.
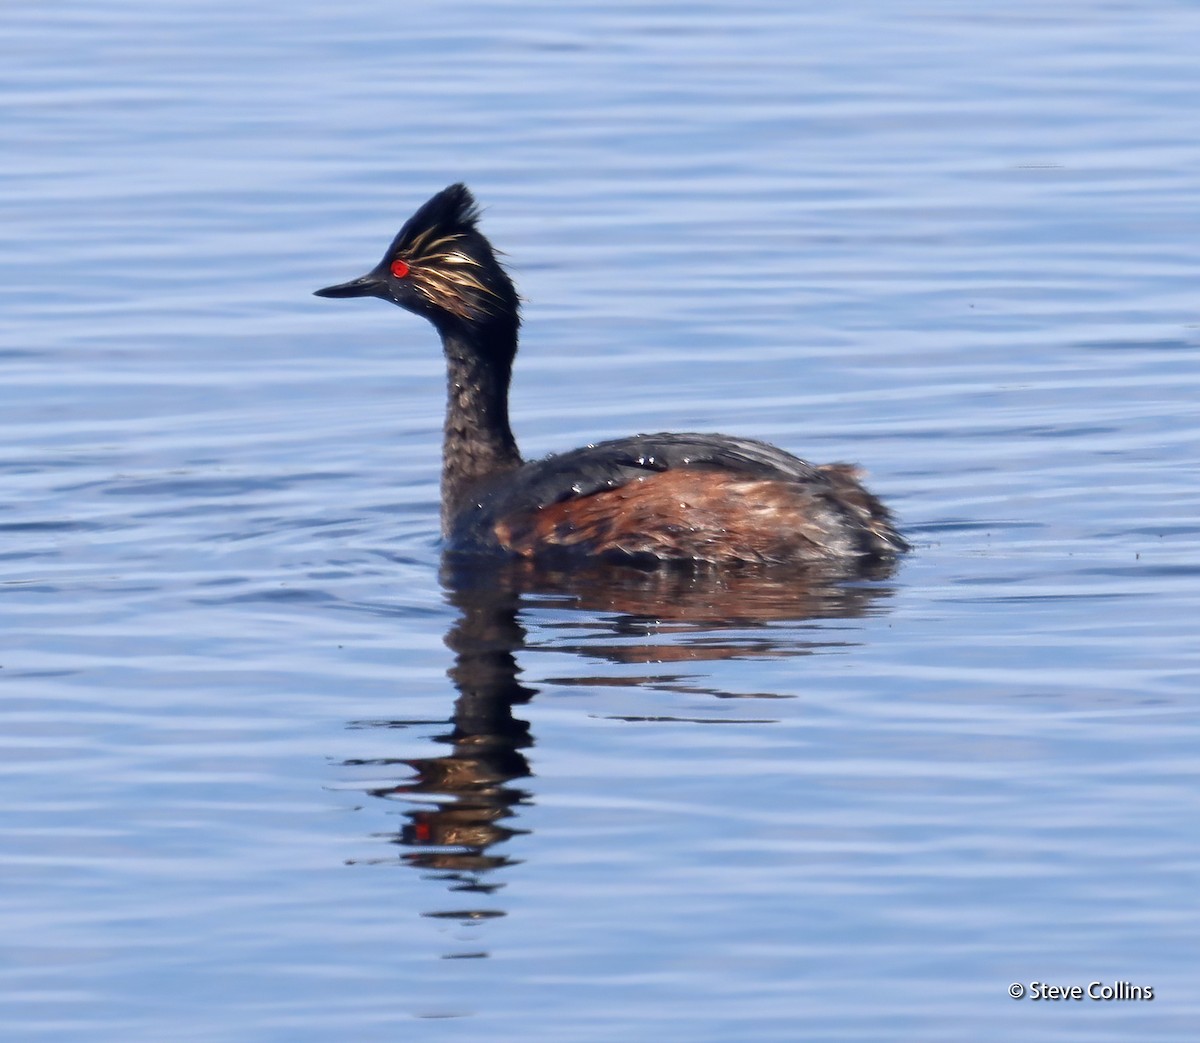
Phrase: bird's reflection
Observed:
(464, 801)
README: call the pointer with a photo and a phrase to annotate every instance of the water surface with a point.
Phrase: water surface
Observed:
(272, 773)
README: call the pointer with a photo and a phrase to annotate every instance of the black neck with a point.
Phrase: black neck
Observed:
(478, 441)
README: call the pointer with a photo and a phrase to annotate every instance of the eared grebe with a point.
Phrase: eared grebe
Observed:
(665, 497)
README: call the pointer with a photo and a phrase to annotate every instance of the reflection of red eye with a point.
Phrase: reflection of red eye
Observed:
(399, 269)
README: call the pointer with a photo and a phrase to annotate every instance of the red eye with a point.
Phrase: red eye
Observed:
(399, 269)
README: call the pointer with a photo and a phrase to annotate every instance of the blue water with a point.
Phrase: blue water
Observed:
(270, 773)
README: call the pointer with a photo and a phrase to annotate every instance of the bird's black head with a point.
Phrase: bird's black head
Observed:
(441, 267)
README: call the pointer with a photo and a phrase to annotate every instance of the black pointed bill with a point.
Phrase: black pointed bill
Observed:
(370, 285)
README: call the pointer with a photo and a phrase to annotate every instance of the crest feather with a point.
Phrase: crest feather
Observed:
(452, 211)
(451, 265)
